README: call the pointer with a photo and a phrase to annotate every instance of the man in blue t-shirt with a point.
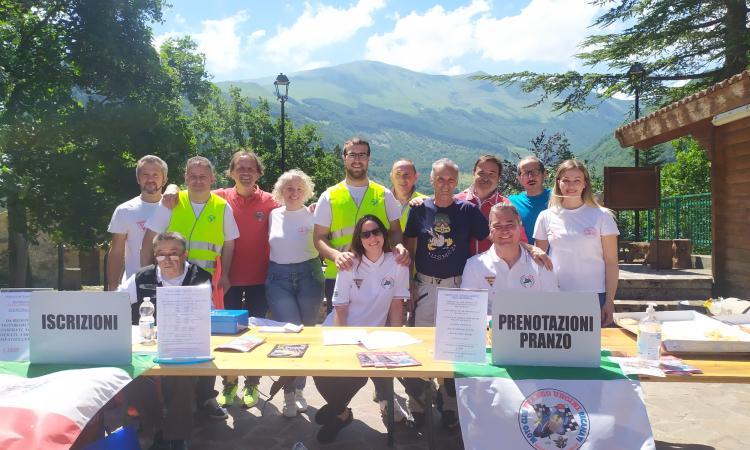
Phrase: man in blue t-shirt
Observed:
(438, 233)
(535, 198)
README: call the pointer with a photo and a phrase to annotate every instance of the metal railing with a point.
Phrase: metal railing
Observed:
(681, 217)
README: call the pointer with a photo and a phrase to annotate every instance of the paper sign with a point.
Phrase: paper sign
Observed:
(14, 325)
(461, 325)
(183, 317)
(76, 327)
(546, 329)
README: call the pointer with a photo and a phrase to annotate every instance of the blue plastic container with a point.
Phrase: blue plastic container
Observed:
(228, 321)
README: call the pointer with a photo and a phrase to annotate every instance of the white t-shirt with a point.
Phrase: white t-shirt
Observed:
(290, 235)
(130, 219)
(323, 216)
(159, 220)
(488, 271)
(368, 289)
(575, 240)
(129, 285)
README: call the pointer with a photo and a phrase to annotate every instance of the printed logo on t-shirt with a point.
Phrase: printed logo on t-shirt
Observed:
(387, 283)
(490, 280)
(527, 281)
(589, 231)
(141, 224)
(439, 246)
(259, 216)
(358, 282)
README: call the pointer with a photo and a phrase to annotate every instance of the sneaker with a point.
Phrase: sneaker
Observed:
(399, 413)
(250, 396)
(300, 401)
(330, 430)
(212, 410)
(290, 405)
(449, 420)
(228, 394)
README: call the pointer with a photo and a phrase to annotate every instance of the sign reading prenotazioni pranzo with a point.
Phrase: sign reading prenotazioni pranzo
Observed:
(546, 329)
(74, 327)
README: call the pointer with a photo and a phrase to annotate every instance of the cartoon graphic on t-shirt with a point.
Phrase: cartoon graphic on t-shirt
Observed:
(440, 226)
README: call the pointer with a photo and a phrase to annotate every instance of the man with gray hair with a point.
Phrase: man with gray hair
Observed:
(208, 225)
(128, 224)
(438, 233)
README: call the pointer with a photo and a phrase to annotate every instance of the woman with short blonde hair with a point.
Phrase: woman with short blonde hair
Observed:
(294, 284)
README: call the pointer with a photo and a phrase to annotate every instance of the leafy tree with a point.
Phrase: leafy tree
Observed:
(700, 41)
(690, 174)
(82, 95)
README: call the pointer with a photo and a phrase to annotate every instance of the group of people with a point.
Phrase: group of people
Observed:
(385, 251)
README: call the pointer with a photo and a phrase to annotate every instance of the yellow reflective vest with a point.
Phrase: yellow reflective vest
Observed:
(205, 233)
(406, 208)
(345, 214)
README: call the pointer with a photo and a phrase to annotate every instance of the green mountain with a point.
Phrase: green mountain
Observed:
(426, 117)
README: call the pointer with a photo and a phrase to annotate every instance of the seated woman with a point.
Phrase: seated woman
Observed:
(366, 296)
(582, 236)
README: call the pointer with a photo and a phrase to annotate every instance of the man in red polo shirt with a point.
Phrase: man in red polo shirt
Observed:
(484, 194)
(247, 275)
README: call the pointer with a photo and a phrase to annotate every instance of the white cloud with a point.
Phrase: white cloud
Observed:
(436, 40)
(318, 27)
(430, 41)
(220, 41)
(546, 30)
(159, 40)
(179, 19)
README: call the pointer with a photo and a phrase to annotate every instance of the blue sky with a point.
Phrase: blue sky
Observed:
(251, 38)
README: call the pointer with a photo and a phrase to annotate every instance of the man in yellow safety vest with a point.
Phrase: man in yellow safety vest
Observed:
(341, 206)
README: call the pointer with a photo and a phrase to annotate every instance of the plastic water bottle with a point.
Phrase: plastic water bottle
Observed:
(146, 322)
(649, 336)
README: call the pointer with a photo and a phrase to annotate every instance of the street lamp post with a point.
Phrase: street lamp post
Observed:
(636, 74)
(282, 93)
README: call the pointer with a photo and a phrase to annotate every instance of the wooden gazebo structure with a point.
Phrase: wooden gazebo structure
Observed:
(719, 118)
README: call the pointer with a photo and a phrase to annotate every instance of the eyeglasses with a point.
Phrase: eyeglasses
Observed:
(530, 173)
(373, 232)
(162, 258)
(357, 156)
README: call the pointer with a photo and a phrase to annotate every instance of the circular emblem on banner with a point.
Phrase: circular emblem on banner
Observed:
(553, 419)
(527, 281)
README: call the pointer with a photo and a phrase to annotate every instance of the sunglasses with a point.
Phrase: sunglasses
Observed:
(373, 232)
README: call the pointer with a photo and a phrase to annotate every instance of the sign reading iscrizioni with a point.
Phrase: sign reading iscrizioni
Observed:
(546, 329)
(80, 328)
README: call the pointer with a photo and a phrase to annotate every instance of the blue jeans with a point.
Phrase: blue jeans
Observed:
(294, 292)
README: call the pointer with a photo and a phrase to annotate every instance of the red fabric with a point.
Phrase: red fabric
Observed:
(23, 429)
(485, 206)
(251, 249)
(217, 292)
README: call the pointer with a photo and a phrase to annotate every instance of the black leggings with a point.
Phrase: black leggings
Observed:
(339, 391)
